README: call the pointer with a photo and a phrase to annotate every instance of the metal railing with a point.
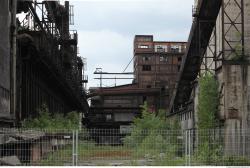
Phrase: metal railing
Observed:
(109, 147)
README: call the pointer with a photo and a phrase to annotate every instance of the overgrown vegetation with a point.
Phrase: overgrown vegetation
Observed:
(153, 139)
(46, 120)
(208, 100)
(149, 138)
(208, 150)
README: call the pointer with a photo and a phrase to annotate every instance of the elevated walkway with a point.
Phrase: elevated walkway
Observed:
(202, 28)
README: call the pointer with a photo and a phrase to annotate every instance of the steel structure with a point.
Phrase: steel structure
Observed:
(216, 39)
(199, 38)
(49, 69)
(232, 37)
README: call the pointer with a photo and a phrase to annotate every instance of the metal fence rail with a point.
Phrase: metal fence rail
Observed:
(115, 147)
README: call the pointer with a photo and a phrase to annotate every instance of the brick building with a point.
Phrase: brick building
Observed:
(156, 65)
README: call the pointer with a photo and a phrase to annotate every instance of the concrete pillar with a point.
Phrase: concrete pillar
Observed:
(5, 19)
(237, 108)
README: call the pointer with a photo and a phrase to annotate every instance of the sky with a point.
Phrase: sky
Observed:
(106, 30)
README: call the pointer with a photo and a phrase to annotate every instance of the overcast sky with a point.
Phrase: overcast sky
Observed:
(107, 28)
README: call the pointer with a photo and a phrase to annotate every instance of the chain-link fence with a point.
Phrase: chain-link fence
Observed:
(109, 147)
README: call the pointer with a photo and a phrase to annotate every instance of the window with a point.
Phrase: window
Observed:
(148, 86)
(108, 117)
(175, 48)
(179, 59)
(146, 58)
(146, 68)
(161, 48)
(163, 58)
(143, 46)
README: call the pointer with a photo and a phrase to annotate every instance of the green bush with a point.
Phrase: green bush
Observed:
(144, 126)
(208, 101)
(208, 150)
(46, 120)
(152, 136)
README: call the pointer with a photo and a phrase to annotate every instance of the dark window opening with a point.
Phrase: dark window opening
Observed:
(146, 58)
(144, 99)
(146, 68)
(148, 86)
(179, 59)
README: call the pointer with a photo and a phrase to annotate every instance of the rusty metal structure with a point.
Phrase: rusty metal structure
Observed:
(47, 68)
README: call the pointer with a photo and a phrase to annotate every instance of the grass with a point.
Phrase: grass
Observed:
(103, 155)
(87, 151)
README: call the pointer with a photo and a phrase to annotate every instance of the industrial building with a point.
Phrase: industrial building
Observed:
(40, 64)
(156, 65)
(39, 60)
(218, 42)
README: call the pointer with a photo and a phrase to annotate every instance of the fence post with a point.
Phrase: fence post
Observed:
(189, 148)
(186, 147)
(73, 148)
(76, 149)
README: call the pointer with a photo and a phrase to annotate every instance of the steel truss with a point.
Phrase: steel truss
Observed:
(232, 37)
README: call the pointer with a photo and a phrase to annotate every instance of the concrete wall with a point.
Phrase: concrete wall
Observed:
(233, 79)
(4, 59)
(237, 106)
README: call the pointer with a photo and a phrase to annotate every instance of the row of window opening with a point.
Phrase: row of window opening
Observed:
(164, 48)
(162, 58)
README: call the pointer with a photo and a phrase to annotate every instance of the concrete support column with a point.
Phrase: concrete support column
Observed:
(5, 20)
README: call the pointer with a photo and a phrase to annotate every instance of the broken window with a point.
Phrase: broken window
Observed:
(146, 58)
(161, 48)
(163, 58)
(175, 48)
(146, 68)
